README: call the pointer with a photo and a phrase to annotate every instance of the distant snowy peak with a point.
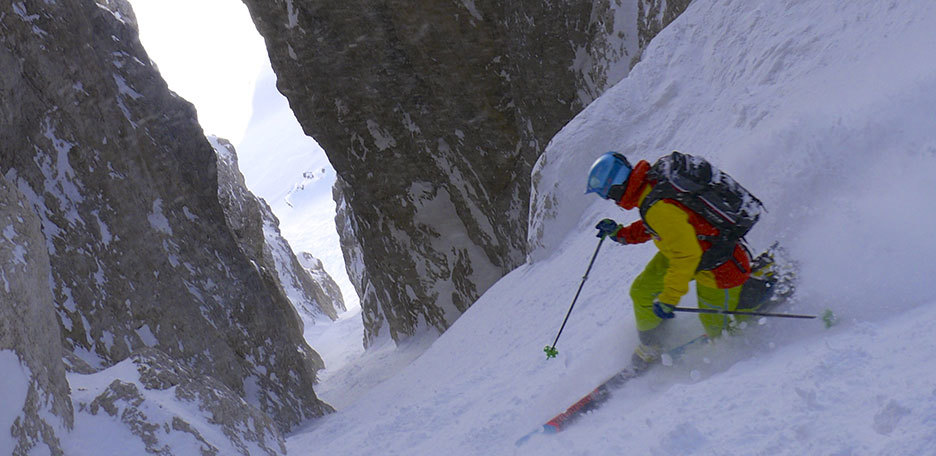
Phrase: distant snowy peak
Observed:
(308, 179)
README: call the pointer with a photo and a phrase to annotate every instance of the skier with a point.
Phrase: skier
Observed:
(694, 242)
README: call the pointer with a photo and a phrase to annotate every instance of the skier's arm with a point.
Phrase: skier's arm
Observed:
(678, 243)
(635, 233)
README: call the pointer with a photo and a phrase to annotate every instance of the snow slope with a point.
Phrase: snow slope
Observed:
(824, 110)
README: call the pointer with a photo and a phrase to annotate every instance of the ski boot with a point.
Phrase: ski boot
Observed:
(772, 281)
(650, 348)
(645, 356)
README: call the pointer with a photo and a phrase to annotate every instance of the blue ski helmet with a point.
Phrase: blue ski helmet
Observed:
(608, 170)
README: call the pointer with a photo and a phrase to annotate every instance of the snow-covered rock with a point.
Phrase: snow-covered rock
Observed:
(151, 402)
(326, 283)
(375, 323)
(308, 178)
(36, 408)
(257, 231)
(433, 117)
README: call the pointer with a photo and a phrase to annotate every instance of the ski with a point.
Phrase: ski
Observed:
(772, 284)
(600, 395)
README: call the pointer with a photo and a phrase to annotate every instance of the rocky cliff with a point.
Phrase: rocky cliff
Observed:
(433, 116)
(36, 404)
(327, 289)
(125, 188)
(311, 292)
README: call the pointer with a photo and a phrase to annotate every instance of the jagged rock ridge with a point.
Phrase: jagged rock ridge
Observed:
(433, 116)
(327, 290)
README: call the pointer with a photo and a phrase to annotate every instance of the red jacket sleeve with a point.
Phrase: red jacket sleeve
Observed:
(635, 233)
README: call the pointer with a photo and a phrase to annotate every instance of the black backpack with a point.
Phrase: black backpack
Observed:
(714, 195)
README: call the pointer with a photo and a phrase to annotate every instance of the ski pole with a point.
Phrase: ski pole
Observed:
(551, 351)
(739, 312)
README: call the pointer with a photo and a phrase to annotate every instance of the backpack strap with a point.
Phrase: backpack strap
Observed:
(722, 246)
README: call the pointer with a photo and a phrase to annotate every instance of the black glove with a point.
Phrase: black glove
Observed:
(607, 227)
(663, 310)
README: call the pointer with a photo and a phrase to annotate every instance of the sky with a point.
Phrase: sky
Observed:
(215, 64)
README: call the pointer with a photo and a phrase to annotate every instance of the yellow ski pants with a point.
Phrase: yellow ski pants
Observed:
(649, 284)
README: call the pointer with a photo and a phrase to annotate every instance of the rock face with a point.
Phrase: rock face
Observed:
(36, 403)
(257, 231)
(172, 410)
(125, 186)
(371, 313)
(433, 116)
(653, 15)
(328, 288)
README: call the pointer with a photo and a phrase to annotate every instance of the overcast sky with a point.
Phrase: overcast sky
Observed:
(209, 52)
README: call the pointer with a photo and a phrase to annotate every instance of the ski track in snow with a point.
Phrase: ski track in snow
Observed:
(824, 110)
